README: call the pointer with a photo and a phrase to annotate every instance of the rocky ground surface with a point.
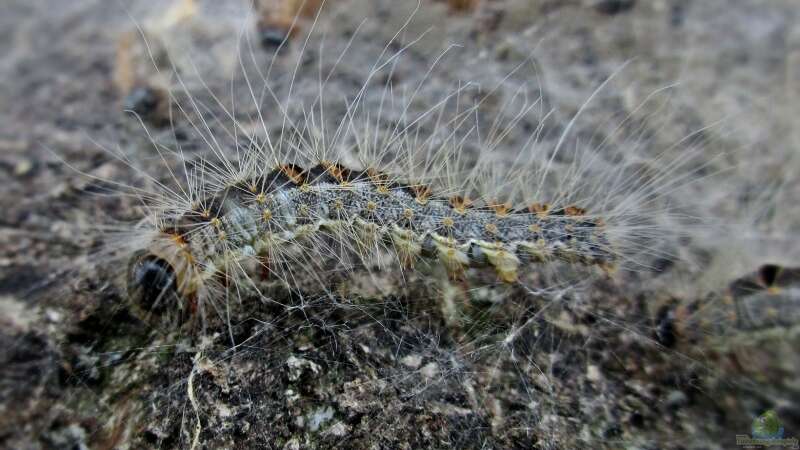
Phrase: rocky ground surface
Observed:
(687, 361)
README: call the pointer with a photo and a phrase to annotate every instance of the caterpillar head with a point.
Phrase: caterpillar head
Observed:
(152, 282)
(161, 279)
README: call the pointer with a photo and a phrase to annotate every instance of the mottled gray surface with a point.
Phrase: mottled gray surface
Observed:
(640, 361)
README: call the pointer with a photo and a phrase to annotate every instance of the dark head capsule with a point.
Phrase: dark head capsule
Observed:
(152, 282)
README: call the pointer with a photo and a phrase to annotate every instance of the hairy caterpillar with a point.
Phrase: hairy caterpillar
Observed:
(309, 206)
(281, 207)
